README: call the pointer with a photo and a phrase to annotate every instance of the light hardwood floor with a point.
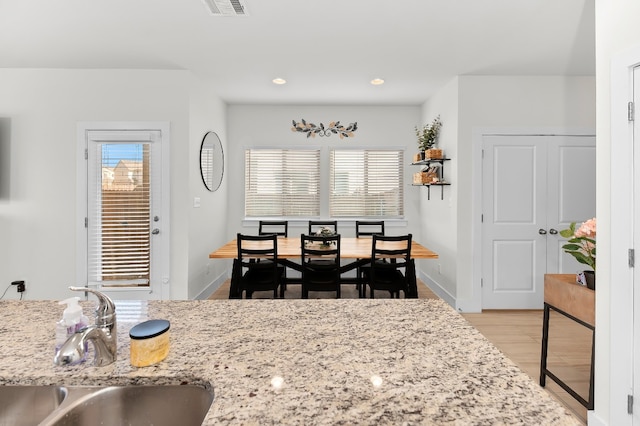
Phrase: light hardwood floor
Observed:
(518, 334)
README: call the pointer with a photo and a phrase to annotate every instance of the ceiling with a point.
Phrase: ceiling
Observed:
(327, 50)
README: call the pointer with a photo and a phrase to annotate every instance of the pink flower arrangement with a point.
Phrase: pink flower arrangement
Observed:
(587, 229)
(582, 242)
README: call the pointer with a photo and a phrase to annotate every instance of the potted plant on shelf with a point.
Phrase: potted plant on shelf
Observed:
(582, 246)
(428, 137)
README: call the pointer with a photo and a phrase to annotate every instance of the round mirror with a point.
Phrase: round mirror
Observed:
(211, 161)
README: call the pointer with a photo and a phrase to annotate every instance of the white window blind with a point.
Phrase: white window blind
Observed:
(282, 182)
(366, 183)
(119, 247)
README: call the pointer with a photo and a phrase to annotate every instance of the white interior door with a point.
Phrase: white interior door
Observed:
(571, 195)
(533, 186)
(514, 212)
(636, 244)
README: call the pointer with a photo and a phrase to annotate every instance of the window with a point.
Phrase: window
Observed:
(286, 183)
(119, 228)
(366, 183)
(282, 182)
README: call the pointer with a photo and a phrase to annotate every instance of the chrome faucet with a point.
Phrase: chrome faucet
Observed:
(103, 334)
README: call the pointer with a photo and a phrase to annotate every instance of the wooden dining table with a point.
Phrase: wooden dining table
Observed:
(350, 248)
(357, 249)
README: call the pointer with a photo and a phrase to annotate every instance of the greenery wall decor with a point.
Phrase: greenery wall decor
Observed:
(333, 127)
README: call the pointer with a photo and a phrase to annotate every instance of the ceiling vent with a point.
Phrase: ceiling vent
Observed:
(226, 7)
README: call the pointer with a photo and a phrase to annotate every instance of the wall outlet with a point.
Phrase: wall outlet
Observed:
(20, 286)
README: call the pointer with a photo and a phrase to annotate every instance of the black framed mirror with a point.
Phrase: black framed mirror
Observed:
(211, 161)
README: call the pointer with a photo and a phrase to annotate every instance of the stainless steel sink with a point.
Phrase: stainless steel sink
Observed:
(105, 405)
(28, 405)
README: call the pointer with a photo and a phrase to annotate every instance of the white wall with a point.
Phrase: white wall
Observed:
(207, 223)
(438, 218)
(472, 102)
(270, 125)
(616, 32)
(41, 109)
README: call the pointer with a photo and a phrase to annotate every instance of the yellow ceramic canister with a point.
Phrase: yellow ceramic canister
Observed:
(149, 342)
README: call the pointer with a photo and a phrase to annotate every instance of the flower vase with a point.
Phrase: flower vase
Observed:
(590, 278)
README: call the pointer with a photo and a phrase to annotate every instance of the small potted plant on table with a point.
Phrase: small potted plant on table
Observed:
(581, 244)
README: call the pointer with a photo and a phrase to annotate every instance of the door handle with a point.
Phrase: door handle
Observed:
(553, 231)
(542, 231)
(155, 231)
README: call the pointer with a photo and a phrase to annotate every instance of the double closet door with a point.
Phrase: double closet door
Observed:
(533, 187)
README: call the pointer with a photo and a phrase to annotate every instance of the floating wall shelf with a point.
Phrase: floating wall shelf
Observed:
(441, 184)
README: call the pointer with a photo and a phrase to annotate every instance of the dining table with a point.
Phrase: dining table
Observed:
(357, 250)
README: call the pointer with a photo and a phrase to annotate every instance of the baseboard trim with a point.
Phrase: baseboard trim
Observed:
(437, 289)
(460, 305)
(594, 420)
(469, 306)
(211, 287)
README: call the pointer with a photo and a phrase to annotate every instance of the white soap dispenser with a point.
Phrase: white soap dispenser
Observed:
(72, 320)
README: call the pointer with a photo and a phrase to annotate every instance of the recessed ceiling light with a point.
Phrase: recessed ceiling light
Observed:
(279, 81)
(377, 81)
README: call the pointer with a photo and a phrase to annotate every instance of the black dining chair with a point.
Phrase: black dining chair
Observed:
(257, 269)
(320, 262)
(366, 229)
(390, 267)
(315, 225)
(277, 227)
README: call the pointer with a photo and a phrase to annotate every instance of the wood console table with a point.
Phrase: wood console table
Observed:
(577, 302)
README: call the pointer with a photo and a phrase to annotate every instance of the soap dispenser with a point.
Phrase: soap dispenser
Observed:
(72, 320)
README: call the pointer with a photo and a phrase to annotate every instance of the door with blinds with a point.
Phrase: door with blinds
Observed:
(126, 230)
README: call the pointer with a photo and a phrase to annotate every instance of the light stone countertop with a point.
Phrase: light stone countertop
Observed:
(435, 368)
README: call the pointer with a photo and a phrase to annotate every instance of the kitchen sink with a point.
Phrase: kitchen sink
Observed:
(28, 405)
(105, 405)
